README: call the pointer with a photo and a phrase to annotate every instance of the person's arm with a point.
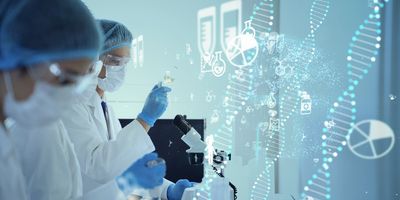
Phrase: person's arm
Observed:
(104, 160)
(144, 124)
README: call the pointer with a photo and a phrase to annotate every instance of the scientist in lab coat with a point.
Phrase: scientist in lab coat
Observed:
(47, 50)
(104, 149)
(12, 182)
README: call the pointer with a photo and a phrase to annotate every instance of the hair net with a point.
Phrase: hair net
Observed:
(47, 30)
(116, 35)
(6, 7)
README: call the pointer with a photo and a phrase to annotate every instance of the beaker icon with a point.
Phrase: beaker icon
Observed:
(248, 29)
(219, 65)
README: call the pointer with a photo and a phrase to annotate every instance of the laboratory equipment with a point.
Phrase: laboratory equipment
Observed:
(192, 139)
(168, 79)
(221, 188)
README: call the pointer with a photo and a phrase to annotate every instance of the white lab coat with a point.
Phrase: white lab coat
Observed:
(101, 159)
(12, 181)
(48, 162)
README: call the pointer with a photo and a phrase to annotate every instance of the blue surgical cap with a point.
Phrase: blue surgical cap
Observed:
(116, 35)
(6, 7)
(48, 30)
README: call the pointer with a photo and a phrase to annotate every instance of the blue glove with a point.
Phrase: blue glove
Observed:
(140, 174)
(176, 190)
(156, 104)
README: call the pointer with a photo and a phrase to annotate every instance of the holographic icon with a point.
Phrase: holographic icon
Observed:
(371, 139)
(213, 63)
(214, 117)
(206, 63)
(274, 124)
(225, 103)
(243, 49)
(243, 120)
(231, 21)
(306, 103)
(271, 100)
(249, 109)
(280, 70)
(272, 113)
(392, 97)
(229, 119)
(135, 58)
(274, 42)
(219, 65)
(329, 124)
(210, 96)
(264, 126)
(140, 50)
(206, 30)
(211, 152)
(188, 49)
(240, 75)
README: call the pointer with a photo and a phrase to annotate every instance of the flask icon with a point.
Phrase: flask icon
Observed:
(248, 29)
(219, 65)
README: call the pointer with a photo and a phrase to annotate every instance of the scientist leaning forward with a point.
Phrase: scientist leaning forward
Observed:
(104, 149)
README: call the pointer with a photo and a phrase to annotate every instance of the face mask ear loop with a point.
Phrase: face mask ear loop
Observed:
(8, 83)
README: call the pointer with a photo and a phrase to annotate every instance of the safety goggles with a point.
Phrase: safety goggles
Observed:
(54, 74)
(115, 63)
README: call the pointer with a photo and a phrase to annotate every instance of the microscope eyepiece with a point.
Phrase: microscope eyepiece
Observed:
(182, 124)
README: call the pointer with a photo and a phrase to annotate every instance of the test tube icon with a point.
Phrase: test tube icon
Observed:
(206, 30)
(231, 22)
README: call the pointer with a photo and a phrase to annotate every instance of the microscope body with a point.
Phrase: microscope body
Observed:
(220, 187)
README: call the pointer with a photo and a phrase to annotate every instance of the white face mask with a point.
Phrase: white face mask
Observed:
(43, 107)
(114, 79)
(92, 85)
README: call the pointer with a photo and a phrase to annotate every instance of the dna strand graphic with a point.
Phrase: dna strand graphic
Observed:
(362, 53)
(238, 91)
(263, 16)
(288, 101)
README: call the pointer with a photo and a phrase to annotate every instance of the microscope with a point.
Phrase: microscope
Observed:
(220, 187)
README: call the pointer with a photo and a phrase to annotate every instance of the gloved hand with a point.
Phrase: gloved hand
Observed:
(147, 177)
(156, 104)
(176, 190)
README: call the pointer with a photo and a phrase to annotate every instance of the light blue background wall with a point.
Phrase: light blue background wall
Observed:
(352, 177)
